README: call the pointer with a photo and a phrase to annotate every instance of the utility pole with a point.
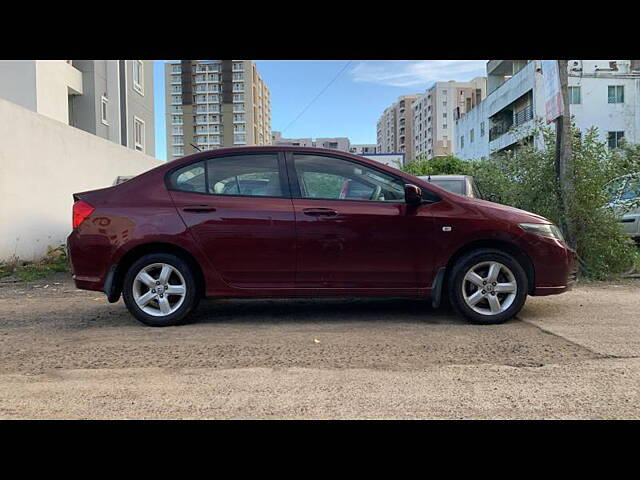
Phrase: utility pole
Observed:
(564, 158)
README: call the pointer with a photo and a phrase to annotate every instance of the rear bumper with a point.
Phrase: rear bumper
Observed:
(86, 268)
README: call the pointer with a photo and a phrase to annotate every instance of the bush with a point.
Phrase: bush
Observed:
(448, 165)
(525, 178)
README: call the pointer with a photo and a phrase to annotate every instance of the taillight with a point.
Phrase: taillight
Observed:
(81, 210)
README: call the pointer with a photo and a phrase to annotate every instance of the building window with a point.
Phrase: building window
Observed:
(138, 134)
(444, 125)
(103, 109)
(462, 141)
(615, 139)
(138, 76)
(482, 129)
(471, 135)
(616, 93)
(574, 95)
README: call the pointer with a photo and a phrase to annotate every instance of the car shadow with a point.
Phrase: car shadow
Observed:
(325, 310)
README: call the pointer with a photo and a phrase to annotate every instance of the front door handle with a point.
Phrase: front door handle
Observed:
(199, 209)
(319, 212)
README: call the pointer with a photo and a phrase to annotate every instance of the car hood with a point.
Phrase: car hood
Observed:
(507, 213)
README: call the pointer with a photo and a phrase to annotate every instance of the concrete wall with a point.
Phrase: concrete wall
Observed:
(42, 163)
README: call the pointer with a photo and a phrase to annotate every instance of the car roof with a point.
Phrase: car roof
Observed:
(445, 177)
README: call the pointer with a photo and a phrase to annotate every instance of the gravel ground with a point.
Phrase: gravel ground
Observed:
(66, 353)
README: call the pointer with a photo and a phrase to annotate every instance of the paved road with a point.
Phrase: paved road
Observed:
(66, 353)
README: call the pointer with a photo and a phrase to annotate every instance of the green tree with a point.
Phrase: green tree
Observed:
(448, 165)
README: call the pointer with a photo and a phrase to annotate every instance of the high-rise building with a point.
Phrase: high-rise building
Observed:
(213, 104)
(435, 112)
(394, 129)
(112, 99)
(602, 93)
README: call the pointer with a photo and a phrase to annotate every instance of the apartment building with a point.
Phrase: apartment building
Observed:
(602, 93)
(394, 130)
(213, 104)
(112, 99)
(435, 111)
(363, 148)
(334, 143)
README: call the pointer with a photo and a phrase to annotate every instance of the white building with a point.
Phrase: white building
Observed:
(112, 99)
(333, 143)
(434, 114)
(363, 148)
(602, 93)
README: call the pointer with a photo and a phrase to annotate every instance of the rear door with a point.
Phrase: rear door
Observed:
(239, 209)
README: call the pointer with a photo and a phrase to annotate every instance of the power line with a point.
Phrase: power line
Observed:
(317, 96)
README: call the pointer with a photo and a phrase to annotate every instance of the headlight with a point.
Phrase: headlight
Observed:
(543, 229)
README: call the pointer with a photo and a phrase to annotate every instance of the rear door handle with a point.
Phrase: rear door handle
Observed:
(199, 209)
(319, 212)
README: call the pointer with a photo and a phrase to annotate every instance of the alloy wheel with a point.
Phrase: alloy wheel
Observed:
(489, 288)
(159, 289)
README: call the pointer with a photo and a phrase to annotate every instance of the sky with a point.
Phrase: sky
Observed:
(353, 94)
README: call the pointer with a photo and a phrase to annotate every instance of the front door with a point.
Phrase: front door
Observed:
(239, 210)
(354, 229)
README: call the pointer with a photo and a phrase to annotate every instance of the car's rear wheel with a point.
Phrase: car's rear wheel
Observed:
(160, 290)
(487, 286)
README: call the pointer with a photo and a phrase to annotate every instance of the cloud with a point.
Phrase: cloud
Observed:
(416, 73)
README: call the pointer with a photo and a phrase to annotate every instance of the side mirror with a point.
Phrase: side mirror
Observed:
(412, 194)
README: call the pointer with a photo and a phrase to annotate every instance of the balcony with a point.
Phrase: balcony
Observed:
(523, 116)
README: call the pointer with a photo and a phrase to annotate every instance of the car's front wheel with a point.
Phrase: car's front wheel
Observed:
(160, 290)
(487, 286)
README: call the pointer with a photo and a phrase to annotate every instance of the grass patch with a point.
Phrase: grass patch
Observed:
(55, 260)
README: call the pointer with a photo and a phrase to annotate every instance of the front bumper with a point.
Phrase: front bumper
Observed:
(556, 269)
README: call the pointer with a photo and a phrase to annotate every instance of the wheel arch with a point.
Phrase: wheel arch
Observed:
(503, 245)
(113, 287)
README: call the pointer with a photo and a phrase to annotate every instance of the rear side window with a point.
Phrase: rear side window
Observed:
(190, 178)
(239, 175)
(246, 175)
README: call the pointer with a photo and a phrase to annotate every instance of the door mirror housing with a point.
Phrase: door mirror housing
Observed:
(412, 194)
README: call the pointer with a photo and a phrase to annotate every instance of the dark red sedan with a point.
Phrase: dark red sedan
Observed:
(290, 221)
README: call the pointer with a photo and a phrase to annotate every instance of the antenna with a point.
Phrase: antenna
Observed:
(197, 148)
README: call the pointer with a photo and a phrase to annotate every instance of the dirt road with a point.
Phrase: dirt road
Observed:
(66, 353)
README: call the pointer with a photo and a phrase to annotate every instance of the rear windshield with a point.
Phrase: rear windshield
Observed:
(454, 186)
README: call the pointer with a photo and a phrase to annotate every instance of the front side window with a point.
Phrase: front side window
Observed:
(338, 179)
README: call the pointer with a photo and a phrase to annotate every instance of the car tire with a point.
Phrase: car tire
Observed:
(487, 286)
(160, 290)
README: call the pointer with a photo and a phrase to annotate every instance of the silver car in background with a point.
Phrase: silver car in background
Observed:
(460, 184)
(623, 192)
